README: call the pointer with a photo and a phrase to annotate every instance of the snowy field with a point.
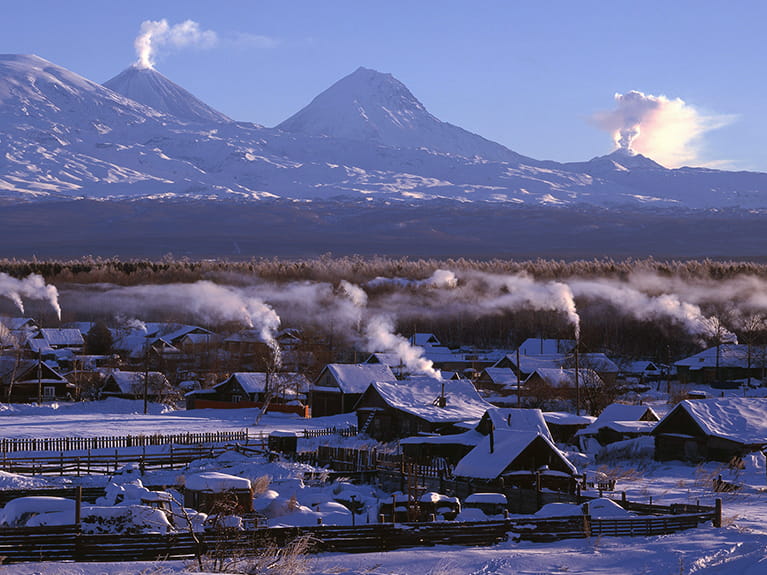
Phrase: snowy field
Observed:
(739, 547)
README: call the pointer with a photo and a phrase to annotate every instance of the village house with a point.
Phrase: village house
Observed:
(543, 346)
(616, 423)
(523, 459)
(393, 410)
(564, 426)
(253, 389)
(449, 449)
(547, 384)
(29, 381)
(339, 386)
(726, 362)
(135, 384)
(528, 364)
(500, 381)
(718, 429)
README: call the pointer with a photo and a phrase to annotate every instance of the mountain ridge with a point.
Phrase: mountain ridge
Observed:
(63, 136)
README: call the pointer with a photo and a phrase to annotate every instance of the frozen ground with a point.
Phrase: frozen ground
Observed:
(739, 547)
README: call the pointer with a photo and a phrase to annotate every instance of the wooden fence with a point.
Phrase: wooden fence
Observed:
(69, 544)
(350, 431)
(59, 444)
(108, 463)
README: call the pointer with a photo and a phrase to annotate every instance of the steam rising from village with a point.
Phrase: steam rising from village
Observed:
(373, 315)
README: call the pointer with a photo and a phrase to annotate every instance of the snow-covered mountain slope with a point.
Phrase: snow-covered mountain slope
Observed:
(374, 107)
(147, 86)
(63, 136)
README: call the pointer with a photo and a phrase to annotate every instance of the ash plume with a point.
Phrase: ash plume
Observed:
(32, 287)
(156, 34)
(667, 130)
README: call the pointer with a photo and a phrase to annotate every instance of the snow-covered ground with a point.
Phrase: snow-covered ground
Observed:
(739, 547)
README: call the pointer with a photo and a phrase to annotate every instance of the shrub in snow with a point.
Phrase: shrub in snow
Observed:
(17, 512)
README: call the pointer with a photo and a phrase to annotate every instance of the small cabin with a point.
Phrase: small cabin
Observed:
(212, 492)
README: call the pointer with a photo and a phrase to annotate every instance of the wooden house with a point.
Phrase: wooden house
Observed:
(564, 426)
(560, 383)
(27, 380)
(131, 385)
(339, 386)
(449, 449)
(524, 459)
(617, 422)
(526, 365)
(253, 389)
(718, 429)
(725, 362)
(393, 410)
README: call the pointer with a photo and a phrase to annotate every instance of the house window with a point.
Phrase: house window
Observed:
(49, 392)
(236, 398)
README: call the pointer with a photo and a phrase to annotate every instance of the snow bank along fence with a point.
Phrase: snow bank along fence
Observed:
(68, 543)
(659, 520)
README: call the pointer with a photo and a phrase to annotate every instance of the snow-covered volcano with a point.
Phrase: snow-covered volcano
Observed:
(367, 136)
(370, 106)
(149, 87)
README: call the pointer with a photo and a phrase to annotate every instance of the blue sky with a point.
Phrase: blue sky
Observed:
(539, 77)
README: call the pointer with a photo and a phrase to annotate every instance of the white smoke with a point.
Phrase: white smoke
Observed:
(668, 131)
(439, 279)
(642, 306)
(157, 34)
(32, 287)
(266, 320)
(380, 335)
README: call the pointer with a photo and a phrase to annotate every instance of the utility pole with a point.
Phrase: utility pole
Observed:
(146, 376)
(39, 377)
(519, 381)
(577, 381)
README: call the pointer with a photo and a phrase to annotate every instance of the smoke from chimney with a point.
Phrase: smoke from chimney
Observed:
(32, 287)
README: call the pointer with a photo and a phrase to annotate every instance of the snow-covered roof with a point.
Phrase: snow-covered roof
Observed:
(417, 396)
(132, 382)
(739, 419)
(620, 412)
(470, 437)
(424, 340)
(561, 377)
(480, 463)
(641, 367)
(730, 355)
(256, 382)
(390, 359)
(501, 375)
(62, 337)
(519, 420)
(215, 482)
(356, 377)
(563, 418)
(542, 346)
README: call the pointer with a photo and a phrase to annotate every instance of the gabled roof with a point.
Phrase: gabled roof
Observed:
(256, 382)
(424, 339)
(356, 377)
(518, 419)
(417, 397)
(529, 363)
(62, 337)
(620, 416)
(541, 346)
(739, 419)
(566, 377)
(507, 446)
(132, 382)
(391, 359)
(27, 370)
(730, 355)
(501, 376)
(641, 367)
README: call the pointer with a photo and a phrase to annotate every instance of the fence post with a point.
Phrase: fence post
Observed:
(718, 512)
